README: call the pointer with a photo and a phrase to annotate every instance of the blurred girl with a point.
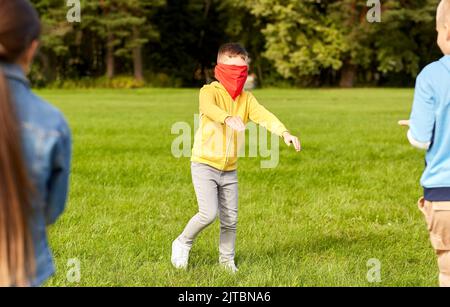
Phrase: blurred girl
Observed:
(35, 150)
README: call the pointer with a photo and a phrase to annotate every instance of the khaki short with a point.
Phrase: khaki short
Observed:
(437, 216)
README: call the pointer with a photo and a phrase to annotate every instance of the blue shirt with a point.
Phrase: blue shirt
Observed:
(46, 142)
(430, 123)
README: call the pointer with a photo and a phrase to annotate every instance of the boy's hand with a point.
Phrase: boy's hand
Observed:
(235, 123)
(290, 139)
(404, 123)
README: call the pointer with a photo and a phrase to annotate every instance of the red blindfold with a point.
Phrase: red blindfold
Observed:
(232, 77)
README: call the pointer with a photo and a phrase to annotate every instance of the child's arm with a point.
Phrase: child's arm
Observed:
(58, 183)
(261, 116)
(412, 141)
(423, 118)
(209, 107)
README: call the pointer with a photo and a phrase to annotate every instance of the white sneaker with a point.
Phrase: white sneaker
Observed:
(180, 255)
(230, 266)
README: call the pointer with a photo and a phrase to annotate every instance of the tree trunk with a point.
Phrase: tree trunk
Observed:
(137, 57)
(348, 76)
(260, 81)
(203, 61)
(49, 74)
(110, 60)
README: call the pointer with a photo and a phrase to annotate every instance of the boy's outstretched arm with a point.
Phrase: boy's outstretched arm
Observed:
(261, 116)
(423, 119)
(411, 139)
(235, 123)
(209, 107)
(290, 139)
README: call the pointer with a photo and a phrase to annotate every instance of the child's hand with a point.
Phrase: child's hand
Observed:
(404, 123)
(235, 123)
(290, 139)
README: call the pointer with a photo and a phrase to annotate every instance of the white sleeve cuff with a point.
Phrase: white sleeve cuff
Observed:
(416, 143)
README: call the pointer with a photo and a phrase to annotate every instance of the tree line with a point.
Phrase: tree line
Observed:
(291, 42)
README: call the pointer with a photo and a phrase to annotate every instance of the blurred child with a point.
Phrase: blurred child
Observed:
(214, 161)
(430, 130)
(35, 151)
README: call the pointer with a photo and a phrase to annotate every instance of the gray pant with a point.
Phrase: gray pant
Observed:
(217, 193)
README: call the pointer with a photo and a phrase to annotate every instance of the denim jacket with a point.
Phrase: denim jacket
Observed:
(46, 142)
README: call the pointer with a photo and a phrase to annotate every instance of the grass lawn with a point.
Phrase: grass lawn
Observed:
(315, 220)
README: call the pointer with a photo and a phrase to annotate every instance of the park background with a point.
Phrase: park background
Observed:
(173, 43)
(131, 69)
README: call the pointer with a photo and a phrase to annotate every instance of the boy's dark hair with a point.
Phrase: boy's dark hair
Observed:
(233, 50)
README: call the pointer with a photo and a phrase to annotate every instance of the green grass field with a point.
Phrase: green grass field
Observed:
(315, 220)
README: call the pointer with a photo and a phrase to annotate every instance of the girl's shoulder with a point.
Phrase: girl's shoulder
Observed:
(43, 115)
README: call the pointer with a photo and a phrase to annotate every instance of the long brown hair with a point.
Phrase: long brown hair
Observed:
(19, 27)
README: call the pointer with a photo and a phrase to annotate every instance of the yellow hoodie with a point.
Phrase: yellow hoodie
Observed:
(215, 143)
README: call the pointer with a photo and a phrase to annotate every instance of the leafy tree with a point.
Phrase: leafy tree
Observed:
(191, 31)
(405, 41)
(309, 42)
(246, 28)
(123, 23)
(308, 38)
(300, 39)
(392, 46)
(56, 38)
